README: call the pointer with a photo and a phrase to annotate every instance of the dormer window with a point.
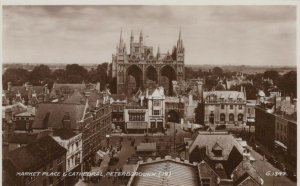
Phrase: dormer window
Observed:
(217, 150)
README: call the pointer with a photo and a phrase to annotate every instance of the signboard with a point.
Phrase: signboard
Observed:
(137, 125)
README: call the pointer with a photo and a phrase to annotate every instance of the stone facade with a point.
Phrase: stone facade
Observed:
(141, 68)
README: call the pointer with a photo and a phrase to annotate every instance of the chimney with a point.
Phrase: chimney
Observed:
(66, 121)
(98, 87)
(9, 86)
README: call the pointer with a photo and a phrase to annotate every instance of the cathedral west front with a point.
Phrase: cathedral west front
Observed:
(141, 68)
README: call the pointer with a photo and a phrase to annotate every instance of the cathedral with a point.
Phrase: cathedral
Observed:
(141, 68)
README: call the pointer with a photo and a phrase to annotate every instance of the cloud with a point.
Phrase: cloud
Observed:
(211, 34)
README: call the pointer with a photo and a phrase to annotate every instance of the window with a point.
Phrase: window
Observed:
(222, 106)
(44, 182)
(231, 107)
(205, 181)
(152, 124)
(156, 112)
(156, 103)
(249, 111)
(240, 117)
(231, 117)
(240, 107)
(51, 164)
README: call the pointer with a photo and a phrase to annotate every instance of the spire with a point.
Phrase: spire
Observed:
(124, 48)
(158, 52)
(121, 41)
(180, 48)
(141, 36)
(131, 37)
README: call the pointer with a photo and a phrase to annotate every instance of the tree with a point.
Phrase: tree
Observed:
(40, 73)
(272, 74)
(288, 83)
(76, 73)
(217, 71)
(17, 76)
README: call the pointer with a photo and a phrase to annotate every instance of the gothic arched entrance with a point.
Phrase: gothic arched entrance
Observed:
(151, 75)
(168, 74)
(172, 116)
(134, 79)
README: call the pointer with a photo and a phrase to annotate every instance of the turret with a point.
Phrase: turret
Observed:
(180, 48)
(121, 45)
(141, 37)
(158, 52)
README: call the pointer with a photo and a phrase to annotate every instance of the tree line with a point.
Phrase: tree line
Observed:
(74, 73)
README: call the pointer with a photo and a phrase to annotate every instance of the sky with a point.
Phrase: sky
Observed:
(222, 35)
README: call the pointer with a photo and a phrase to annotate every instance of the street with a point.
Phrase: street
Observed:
(263, 166)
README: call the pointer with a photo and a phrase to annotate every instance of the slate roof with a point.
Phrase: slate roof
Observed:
(245, 170)
(64, 133)
(181, 173)
(36, 154)
(225, 141)
(51, 115)
(22, 138)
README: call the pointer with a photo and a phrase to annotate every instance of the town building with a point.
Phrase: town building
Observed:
(224, 107)
(92, 119)
(275, 125)
(118, 103)
(24, 120)
(73, 143)
(26, 94)
(140, 67)
(136, 118)
(250, 112)
(222, 154)
(44, 155)
(155, 101)
(173, 172)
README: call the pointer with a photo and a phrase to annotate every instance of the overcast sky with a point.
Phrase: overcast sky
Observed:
(236, 35)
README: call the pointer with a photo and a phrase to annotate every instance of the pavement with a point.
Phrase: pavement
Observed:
(263, 167)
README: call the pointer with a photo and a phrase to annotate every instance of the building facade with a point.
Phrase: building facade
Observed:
(118, 103)
(136, 118)
(44, 155)
(224, 107)
(155, 100)
(141, 67)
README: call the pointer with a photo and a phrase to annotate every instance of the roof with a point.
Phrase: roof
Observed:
(51, 115)
(30, 112)
(225, 141)
(76, 98)
(64, 133)
(182, 173)
(119, 97)
(36, 154)
(224, 94)
(245, 170)
(22, 138)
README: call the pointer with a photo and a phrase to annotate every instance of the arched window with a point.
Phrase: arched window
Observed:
(222, 117)
(231, 117)
(240, 117)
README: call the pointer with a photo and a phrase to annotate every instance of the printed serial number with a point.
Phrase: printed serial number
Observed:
(275, 173)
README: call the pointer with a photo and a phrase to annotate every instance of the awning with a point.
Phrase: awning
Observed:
(137, 125)
(251, 120)
(278, 143)
(146, 147)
